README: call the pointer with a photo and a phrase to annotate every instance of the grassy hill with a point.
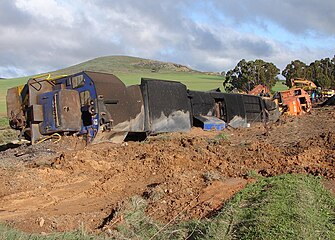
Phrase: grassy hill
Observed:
(129, 70)
(125, 64)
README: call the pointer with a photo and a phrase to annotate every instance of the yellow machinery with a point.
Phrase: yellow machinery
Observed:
(327, 93)
(305, 84)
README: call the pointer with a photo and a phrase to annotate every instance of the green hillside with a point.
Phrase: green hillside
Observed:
(125, 64)
(129, 70)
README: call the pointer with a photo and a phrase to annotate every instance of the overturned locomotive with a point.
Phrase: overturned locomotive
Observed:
(101, 107)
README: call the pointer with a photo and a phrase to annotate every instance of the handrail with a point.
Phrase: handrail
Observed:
(47, 78)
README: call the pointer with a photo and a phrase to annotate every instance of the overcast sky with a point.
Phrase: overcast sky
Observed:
(44, 35)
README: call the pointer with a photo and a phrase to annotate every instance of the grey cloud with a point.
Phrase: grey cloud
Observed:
(160, 30)
(11, 16)
(164, 13)
(205, 40)
(296, 16)
(257, 48)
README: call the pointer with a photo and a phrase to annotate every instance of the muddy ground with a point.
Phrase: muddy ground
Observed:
(59, 187)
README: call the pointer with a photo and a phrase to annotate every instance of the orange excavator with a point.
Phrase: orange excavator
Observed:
(294, 101)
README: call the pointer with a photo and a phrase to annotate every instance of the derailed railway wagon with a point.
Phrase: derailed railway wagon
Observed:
(101, 107)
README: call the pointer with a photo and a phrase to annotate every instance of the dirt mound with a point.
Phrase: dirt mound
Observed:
(58, 187)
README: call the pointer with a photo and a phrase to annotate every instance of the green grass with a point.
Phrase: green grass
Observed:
(281, 207)
(222, 136)
(193, 81)
(280, 86)
(3, 122)
(7, 233)
(136, 225)
(6, 134)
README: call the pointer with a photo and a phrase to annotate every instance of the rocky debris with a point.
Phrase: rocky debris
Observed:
(156, 66)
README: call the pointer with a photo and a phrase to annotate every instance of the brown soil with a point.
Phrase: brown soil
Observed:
(58, 187)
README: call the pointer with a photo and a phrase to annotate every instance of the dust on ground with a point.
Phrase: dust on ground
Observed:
(59, 187)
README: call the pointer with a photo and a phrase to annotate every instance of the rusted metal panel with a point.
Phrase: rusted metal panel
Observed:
(15, 112)
(35, 113)
(69, 110)
(37, 87)
(61, 111)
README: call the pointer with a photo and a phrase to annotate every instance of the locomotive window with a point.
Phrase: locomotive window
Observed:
(78, 81)
(85, 98)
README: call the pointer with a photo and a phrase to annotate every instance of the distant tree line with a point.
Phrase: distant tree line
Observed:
(248, 74)
(321, 72)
